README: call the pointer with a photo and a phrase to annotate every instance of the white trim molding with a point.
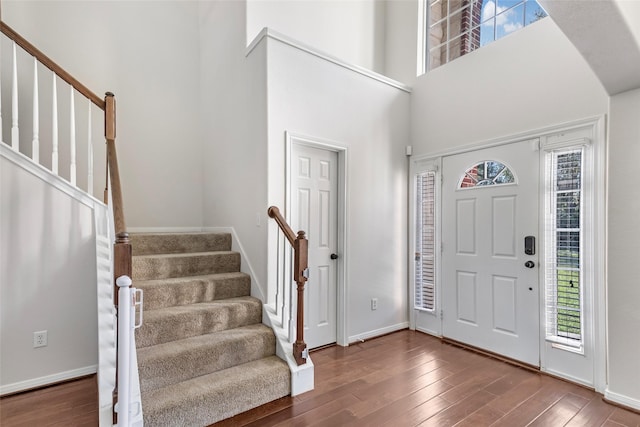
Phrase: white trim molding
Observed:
(48, 380)
(274, 35)
(378, 332)
(621, 399)
(47, 176)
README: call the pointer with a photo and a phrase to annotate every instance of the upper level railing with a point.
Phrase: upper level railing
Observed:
(122, 247)
(300, 275)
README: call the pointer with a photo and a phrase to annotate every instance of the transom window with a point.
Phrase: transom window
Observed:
(488, 172)
(457, 27)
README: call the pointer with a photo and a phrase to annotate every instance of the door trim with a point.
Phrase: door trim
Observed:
(597, 125)
(342, 261)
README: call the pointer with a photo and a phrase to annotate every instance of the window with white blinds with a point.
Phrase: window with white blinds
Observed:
(425, 274)
(564, 246)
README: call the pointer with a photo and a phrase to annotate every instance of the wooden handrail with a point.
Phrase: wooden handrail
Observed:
(300, 275)
(50, 64)
(274, 213)
(122, 251)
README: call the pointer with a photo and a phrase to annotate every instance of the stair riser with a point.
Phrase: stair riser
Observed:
(149, 244)
(177, 363)
(186, 324)
(146, 268)
(195, 291)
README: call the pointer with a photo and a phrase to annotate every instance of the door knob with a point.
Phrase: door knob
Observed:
(529, 264)
(333, 256)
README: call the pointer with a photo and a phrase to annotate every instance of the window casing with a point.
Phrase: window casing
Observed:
(457, 27)
(564, 252)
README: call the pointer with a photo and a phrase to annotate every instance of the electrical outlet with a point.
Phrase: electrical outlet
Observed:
(39, 339)
(374, 303)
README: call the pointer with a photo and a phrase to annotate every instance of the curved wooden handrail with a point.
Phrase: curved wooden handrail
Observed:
(50, 64)
(300, 275)
(274, 213)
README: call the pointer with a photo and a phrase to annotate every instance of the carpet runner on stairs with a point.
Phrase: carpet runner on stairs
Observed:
(203, 353)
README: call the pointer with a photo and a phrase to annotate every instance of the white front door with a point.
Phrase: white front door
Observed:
(314, 209)
(490, 291)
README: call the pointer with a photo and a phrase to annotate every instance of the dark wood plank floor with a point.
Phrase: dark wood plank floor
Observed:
(403, 379)
(409, 379)
(74, 403)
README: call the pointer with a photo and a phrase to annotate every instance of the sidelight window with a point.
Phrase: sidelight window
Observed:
(425, 274)
(564, 282)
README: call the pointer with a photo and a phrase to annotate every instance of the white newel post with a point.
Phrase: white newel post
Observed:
(129, 406)
(125, 328)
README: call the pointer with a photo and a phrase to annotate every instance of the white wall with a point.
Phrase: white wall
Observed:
(531, 79)
(401, 40)
(352, 30)
(47, 265)
(233, 113)
(147, 53)
(310, 96)
(623, 249)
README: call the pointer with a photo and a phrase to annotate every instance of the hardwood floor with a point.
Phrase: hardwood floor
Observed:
(403, 379)
(409, 379)
(74, 403)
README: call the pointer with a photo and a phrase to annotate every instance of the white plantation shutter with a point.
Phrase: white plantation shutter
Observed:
(425, 288)
(563, 252)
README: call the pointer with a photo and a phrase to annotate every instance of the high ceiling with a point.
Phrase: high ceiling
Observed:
(607, 34)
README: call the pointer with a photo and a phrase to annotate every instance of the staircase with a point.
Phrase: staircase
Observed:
(203, 353)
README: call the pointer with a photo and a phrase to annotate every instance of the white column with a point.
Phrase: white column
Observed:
(54, 127)
(35, 144)
(15, 132)
(72, 137)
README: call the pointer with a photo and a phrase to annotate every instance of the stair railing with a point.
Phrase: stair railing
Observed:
(122, 253)
(300, 247)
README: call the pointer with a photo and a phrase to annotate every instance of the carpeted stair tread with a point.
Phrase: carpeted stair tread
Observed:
(169, 292)
(169, 363)
(167, 243)
(164, 266)
(204, 400)
(174, 323)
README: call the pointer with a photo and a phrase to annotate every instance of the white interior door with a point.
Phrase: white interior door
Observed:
(490, 292)
(314, 208)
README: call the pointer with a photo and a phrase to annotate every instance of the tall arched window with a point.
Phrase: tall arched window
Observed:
(457, 27)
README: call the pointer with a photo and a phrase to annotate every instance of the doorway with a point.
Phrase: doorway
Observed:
(316, 206)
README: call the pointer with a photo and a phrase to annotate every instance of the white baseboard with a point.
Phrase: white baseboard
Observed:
(245, 264)
(47, 380)
(622, 399)
(377, 332)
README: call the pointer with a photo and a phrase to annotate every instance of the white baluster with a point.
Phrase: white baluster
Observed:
(54, 127)
(72, 139)
(15, 132)
(1, 111)
(90, 154)
(35, 144)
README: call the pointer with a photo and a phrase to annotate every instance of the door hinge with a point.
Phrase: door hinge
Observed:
(441, 315)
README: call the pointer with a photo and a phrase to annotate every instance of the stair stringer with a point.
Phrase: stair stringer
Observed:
(302, 377)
